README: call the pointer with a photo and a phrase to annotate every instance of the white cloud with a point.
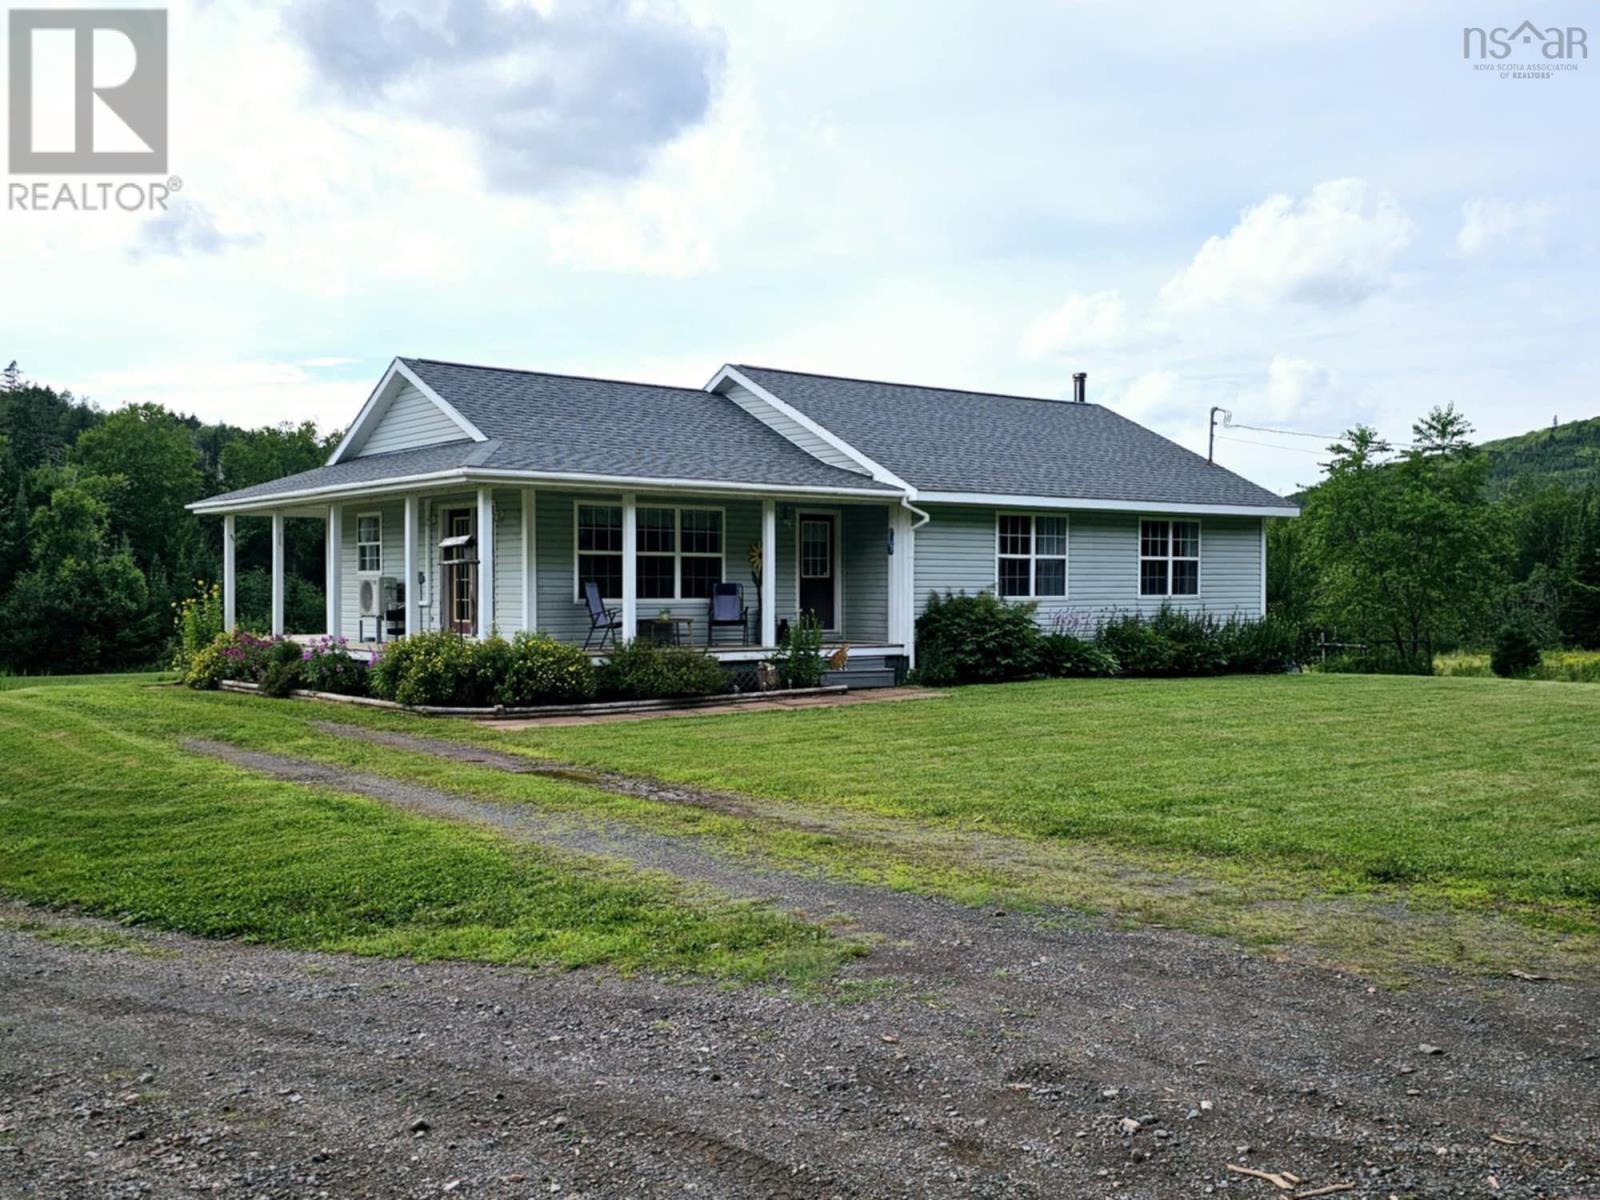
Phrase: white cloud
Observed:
(1149, 397)
(1295, 386)
(1334, 248)
(246, 393)
(1084, 321)
(1488, 224)
(586, 91)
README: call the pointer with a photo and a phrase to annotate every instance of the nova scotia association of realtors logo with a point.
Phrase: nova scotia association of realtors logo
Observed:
(88, 97)
(1528, 51)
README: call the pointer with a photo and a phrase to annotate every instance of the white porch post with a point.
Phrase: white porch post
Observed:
(230, 582)
(485, 562)
(530, 568)
(409, 558)
(277, 574)
(630, 566)
(769, 572)
(333, 576)
(902, 583)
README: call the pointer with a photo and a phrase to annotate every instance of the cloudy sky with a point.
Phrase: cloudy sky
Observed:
(1311, 215)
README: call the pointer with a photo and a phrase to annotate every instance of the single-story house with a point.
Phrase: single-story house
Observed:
(480, 499)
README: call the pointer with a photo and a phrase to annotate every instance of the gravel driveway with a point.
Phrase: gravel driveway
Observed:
(973, 1053)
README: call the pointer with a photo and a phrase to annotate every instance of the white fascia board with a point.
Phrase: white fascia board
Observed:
(876, 469)
(571, 479)
(1007, 500)
(378, 403)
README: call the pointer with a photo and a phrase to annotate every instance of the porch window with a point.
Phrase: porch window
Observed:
(1032, 555)
(369, 544)
(600, 548)
(1169, 558)
(680, 553)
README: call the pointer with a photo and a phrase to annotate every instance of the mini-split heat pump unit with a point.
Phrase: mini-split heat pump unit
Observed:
(379, 595)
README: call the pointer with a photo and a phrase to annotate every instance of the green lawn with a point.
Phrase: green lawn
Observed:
(12, 682)
(1376, 821)
(100, 809)
(1482, 790)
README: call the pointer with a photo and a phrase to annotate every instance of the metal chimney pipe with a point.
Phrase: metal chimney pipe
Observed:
(1080, 381)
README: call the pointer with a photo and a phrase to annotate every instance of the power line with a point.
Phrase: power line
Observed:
(1269, 445)
(1229, 424)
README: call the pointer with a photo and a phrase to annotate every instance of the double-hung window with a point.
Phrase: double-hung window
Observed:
(369, 544)
(680, 551)
(1032, 555)
(1169, 558)
(600, 548)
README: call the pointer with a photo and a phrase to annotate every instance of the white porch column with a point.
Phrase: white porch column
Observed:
(630, 566)
(277, 574)
(409, 558)
(485, 561)
(230, 581)
(530, 568)
(902, 581)
(333, 576)
(769, 572)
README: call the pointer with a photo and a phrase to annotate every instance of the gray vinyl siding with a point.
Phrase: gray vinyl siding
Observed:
(507, 561)
(956, 552)
(411, 420)
(865, 550)
(790, 428)
(393, 515)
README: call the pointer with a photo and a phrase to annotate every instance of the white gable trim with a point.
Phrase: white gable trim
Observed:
(875, 469)
(378, 403)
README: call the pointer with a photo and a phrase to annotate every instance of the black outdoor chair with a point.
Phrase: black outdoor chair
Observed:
(602, 620)
(727, 608)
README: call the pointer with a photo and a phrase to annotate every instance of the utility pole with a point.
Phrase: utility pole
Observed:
(1211, 437)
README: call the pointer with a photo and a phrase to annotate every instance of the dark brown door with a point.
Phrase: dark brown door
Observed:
(818, 591)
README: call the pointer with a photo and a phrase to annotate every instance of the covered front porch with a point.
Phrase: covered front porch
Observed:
(595, 568)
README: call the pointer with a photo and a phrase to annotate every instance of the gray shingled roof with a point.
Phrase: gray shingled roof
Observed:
(941, 440)
(537, 422)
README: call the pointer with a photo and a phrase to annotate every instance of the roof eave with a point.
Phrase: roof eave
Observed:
(578, 481)
(1007, 499)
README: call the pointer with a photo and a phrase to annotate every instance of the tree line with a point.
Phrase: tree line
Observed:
(96, 546)
(1409, 551)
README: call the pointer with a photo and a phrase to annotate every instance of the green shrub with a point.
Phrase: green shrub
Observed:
(640, 670)
(1138, 647)
(798, 659)
(1263, 647)
(1515, 653)
(198, 623)
(1062, 655)
(282, 672)
(975, 639)
(326, 665)
(237, 655)
(439, 668)
(541, 670)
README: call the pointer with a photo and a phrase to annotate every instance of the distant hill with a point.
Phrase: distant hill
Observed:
(1566, 454)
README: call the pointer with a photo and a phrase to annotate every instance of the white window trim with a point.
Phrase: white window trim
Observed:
(678, 553)
(1169, 558)
(360, 517)
(1033, 556)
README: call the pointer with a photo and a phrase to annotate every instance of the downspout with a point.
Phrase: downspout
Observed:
(905, 503)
